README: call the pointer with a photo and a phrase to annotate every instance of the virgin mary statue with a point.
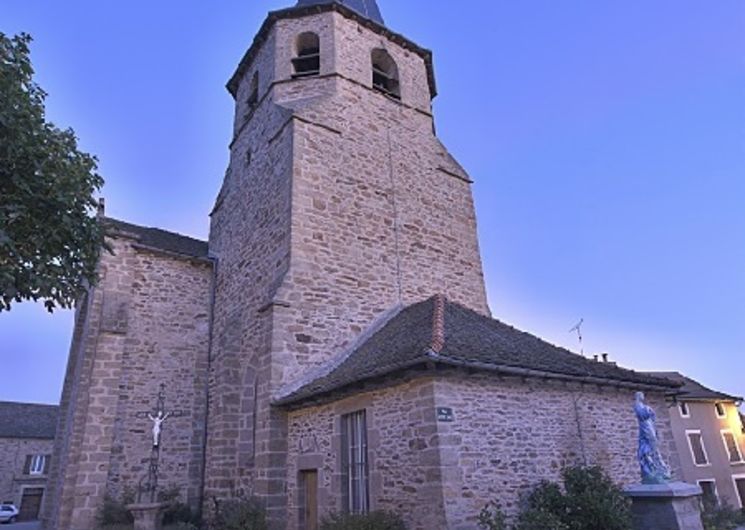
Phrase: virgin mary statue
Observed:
(653, 467)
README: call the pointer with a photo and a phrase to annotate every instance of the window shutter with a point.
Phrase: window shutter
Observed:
(47, 459)
(27, 465)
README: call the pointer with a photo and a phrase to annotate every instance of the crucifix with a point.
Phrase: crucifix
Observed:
(158, 416)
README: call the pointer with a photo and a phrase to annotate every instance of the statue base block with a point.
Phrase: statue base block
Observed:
(673, 506)
(148, 516)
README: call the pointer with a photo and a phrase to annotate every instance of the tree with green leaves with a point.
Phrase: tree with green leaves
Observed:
(50, 239)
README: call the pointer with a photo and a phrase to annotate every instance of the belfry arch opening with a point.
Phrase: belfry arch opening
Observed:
(307, 60)
(385, 74)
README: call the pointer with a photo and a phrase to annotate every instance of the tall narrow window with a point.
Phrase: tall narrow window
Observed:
(385, 74)
(739, 481)
(721, 411)
(733, 448)
(307, 61)
(308, 500)
(355, 482)
(685, 412)
(698, 451)
(253, 93)
(711, 496)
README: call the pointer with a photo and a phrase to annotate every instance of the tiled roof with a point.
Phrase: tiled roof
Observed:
(440, 332)
(27, 420)
(693, 389)
(160, 239)
(366, 8)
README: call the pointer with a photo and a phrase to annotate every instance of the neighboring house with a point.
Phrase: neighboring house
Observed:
(708, 430)
(26, 443)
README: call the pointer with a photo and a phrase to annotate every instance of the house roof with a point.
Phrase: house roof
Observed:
(437, 331)
(693, 390)
(366, 8)
(27, 420)
(159, 239)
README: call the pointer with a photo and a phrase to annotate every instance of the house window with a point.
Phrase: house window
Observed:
(307, 61)
(698, 451)
(385, 74)
(733, 449)
(355, 482)
(685, 412)
(739, 481)
(36, 465)
(711, 496)
(721, 411)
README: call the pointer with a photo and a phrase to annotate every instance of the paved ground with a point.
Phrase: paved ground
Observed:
(22, 526)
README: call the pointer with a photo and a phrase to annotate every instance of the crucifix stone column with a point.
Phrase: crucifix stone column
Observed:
(148, 512)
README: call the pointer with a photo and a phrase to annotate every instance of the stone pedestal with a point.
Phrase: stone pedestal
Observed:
(148, 516)
(673, 506)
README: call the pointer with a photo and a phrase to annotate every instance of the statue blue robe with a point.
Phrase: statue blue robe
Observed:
(653, 468)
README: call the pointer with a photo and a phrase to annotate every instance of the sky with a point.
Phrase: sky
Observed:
(606, 141)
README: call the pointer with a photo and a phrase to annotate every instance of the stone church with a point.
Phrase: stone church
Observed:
(330, 348)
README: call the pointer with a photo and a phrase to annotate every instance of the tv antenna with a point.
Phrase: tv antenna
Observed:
(578, 329)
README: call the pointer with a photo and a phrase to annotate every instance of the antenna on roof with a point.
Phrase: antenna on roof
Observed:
(578, 329)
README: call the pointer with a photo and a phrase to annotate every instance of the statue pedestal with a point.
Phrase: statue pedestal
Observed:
(673, 506)
(148, 516)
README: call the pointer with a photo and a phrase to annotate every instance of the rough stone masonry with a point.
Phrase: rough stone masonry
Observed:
(342, 274)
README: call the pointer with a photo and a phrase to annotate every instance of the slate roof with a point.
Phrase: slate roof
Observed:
(440, 332)
(693, 390)
(366, 8)
(160, 239)
(27, 420)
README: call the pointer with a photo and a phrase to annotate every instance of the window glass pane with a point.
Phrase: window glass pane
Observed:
(684, 409)
(710, 492)
(354, 463)
(740, 483)
(732, 448)
(720, 410)
(697, 446)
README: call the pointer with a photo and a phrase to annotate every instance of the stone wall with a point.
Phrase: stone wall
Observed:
(403, 459)
(13, 453)
(506, 436)
(509, 434)
(339, 203)
(146, 323)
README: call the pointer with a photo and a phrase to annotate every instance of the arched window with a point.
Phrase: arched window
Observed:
(307, 60)
(385, 74)
(253, 93)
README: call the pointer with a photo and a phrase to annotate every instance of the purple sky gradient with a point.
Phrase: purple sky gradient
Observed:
(606, 141)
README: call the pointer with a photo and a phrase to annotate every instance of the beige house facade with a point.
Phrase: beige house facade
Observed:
(26, 444)
(709, 433)
(330, 348)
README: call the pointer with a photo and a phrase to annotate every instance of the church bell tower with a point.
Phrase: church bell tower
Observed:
(339, 204)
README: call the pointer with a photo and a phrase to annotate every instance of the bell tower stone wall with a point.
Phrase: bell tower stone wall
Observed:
(339, 204)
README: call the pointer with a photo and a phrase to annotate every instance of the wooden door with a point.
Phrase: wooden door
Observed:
(309, 500)
(30, 504)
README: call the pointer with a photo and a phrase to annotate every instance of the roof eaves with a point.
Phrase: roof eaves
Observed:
(529, 372)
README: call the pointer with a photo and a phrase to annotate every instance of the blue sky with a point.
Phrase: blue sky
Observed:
(606, 141)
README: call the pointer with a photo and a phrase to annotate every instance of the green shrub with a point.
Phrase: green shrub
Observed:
(589, 501)
(177, 511)
(721, 517)
(114, 511)
(239, 514)
(371, 521)
(492, 517)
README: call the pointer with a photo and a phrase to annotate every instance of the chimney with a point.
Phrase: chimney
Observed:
(101, 207)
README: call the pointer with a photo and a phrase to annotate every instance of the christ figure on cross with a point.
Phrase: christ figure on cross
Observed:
(158, 425)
